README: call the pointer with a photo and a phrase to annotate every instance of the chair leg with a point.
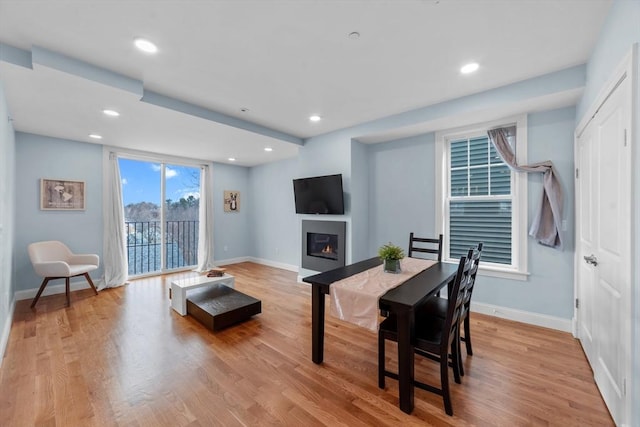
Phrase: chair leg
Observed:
(86, 275)
(444, 380)
(467, 335)
(42, 286)
(459, 349)
(67, 290)
(455, 361)
(381, 357)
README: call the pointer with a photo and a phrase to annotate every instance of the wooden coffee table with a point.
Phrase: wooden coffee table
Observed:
(219, 306)
(179, 289)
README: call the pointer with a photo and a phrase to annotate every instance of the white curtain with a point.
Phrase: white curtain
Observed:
(115, 243)
(205, 235)
(547, 225)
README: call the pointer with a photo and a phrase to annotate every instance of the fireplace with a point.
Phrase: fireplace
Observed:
(323, 244)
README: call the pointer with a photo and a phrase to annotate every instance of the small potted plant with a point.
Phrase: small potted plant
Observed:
(391, 255)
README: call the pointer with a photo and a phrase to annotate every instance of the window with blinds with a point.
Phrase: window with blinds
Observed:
(479, 200)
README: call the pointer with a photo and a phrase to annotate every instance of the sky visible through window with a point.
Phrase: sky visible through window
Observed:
(141, 181)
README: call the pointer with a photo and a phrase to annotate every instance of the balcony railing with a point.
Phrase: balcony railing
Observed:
(144, 245)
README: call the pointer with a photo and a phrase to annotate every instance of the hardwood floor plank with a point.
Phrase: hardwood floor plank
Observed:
(124, 358)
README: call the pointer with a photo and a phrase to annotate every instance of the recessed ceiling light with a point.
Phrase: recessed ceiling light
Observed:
(112, 113)
(145, 45)
(232, 159)
(469, 68)
(244, 109)
(95, 136)
(268, 149)
(354, 35)
(315, 118)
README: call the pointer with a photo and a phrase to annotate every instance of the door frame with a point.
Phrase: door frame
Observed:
(625, 70)
(165, 159)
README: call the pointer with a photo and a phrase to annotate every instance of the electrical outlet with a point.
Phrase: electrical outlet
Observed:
(225, 248)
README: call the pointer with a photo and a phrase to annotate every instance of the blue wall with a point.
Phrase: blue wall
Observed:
(620, 32)
(275, 232)
(359, 202)
(549, 288)
(231, 229)
(44, 157)
(276, 226)
(402, 177)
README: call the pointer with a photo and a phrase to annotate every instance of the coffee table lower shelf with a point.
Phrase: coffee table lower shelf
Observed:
(219, 306)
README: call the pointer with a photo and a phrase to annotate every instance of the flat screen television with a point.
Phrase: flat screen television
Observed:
(319, 195)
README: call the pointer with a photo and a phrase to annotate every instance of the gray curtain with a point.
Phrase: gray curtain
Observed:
(546, 226)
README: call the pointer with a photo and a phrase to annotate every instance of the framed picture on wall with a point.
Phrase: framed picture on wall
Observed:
(231, 201)
(61, 194)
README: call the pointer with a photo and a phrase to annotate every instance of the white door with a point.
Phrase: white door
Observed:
(585, 235)
(603, 190)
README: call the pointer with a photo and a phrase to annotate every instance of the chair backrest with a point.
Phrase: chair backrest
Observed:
(51, 250)
(475, 254)
(456, 299)
(426, 245)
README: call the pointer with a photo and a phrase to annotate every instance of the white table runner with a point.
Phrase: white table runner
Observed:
(355, 299)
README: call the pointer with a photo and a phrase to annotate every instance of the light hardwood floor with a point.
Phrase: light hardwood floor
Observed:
(124, 358)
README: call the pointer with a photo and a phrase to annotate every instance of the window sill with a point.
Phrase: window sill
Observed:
(502, 273)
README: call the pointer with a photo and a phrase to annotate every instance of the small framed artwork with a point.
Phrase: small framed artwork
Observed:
(61, 194)
(231, 201)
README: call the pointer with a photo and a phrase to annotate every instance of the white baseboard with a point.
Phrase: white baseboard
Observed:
(232, 260)
(282, 265)
(52, 289)
(552, 322)
(537, 319)
(558, 323)
(4, 339)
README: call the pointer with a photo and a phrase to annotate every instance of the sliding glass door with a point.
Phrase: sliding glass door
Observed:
(161, 204)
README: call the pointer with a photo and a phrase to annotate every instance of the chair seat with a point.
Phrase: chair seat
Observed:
(77, 269)
(54, 260)
(428, 330)
(433, 337)
(435, 307)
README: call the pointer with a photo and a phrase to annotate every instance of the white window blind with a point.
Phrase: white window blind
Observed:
(479, 200)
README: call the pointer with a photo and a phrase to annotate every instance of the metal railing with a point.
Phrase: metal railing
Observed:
(144, 245)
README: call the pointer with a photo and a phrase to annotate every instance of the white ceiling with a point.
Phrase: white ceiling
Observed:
(282, 59)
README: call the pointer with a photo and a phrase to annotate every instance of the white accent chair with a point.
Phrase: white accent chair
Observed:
(53, 260)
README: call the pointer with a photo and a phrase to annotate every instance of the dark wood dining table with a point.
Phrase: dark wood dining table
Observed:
(401, 301)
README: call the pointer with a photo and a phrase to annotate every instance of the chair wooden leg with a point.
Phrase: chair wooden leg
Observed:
(444, 380)
(67, 290)
(42, 286)
(467, 335)
(459, 349)
(381, 357)
(455, 361)
(86, 275)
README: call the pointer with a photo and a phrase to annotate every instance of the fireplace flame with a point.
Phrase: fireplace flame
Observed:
(327, 249)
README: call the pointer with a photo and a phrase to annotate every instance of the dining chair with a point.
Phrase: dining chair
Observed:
(425, 245)
(434, 337)
(54, 260)
(438, 306)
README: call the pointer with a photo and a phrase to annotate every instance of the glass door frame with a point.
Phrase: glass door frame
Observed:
(163, 161)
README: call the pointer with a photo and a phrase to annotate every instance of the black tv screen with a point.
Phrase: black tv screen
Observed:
(319, 195)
